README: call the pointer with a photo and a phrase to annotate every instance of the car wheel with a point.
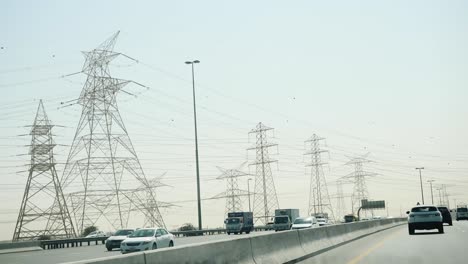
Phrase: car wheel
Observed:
(171, 244)
(247, 232)
(410, 230)
(154, 246)
(109, 249)
(441, 229)
(235, 233)
(228, 233)
(451, 224)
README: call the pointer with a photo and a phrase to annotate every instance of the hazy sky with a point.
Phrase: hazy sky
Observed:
(385, 77)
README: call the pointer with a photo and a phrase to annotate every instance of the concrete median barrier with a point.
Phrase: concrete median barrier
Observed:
(134, 258)
(17, 247)
(238, 250)
(276, 248)
(282, 247)
(25, 244)
(314, 239)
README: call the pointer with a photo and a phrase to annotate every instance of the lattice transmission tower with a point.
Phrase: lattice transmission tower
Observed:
(43, 211)
(340, 202)
(150, 205)
(265, 199)
(102, 164)
(319, 199)
(443, 195)
(358, 178)
(233, 193)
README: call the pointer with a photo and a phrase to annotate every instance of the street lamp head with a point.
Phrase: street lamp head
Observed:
(196, 61)
(188, 62)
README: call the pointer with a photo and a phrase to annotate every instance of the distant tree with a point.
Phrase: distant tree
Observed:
(88, 230)
(44, 237)
(187, 227)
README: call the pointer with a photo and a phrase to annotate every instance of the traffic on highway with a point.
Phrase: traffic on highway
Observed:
(242, 131)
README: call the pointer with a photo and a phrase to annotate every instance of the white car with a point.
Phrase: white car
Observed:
(96, 234)
(147, 239)
(322, 221)
(117, 238)
(462, 213)
(304, 222)
(424, 217)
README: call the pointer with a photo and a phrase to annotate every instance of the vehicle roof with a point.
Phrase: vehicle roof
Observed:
(305, 217)
(148, 228)
(424, 205)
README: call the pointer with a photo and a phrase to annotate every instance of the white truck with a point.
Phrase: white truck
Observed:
(238, 222)
(284, 218)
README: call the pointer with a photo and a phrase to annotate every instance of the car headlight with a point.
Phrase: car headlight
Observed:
(146, 242)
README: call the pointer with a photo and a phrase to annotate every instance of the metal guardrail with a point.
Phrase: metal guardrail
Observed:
(215, 231)
(71, 242)
(78, 242)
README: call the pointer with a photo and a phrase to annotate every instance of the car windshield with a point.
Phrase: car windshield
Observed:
(302, 221)
(442, 209)
(281, 219)
(424, 209)
(123, 232)
(233, 220)
(143, 233)
(462, 210)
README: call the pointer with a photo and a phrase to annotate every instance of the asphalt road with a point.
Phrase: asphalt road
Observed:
(390, 246)
(397, 246)
(93, 251)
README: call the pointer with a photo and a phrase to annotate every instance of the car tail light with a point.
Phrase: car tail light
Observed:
(437, 214)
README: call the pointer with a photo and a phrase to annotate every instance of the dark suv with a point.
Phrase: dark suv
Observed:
(446, 216)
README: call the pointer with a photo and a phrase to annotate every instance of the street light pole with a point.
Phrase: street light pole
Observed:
(248, 193)
(420, 179)
(440, 196)
(192, 63)
(432, 195)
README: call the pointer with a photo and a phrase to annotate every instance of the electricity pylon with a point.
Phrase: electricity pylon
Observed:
(232, 194)
(102, 161)
(319, 199)
(340, 203)
(443, 195)
(145, 202)
(358, 177)
(265, 199)
(43, 210)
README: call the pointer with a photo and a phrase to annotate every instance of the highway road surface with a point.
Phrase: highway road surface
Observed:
(390, 246)
(396, 246)
(93, 251)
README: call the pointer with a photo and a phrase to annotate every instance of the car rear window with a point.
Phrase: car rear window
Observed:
(424, 209)
(462, 210)
(442, 209)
